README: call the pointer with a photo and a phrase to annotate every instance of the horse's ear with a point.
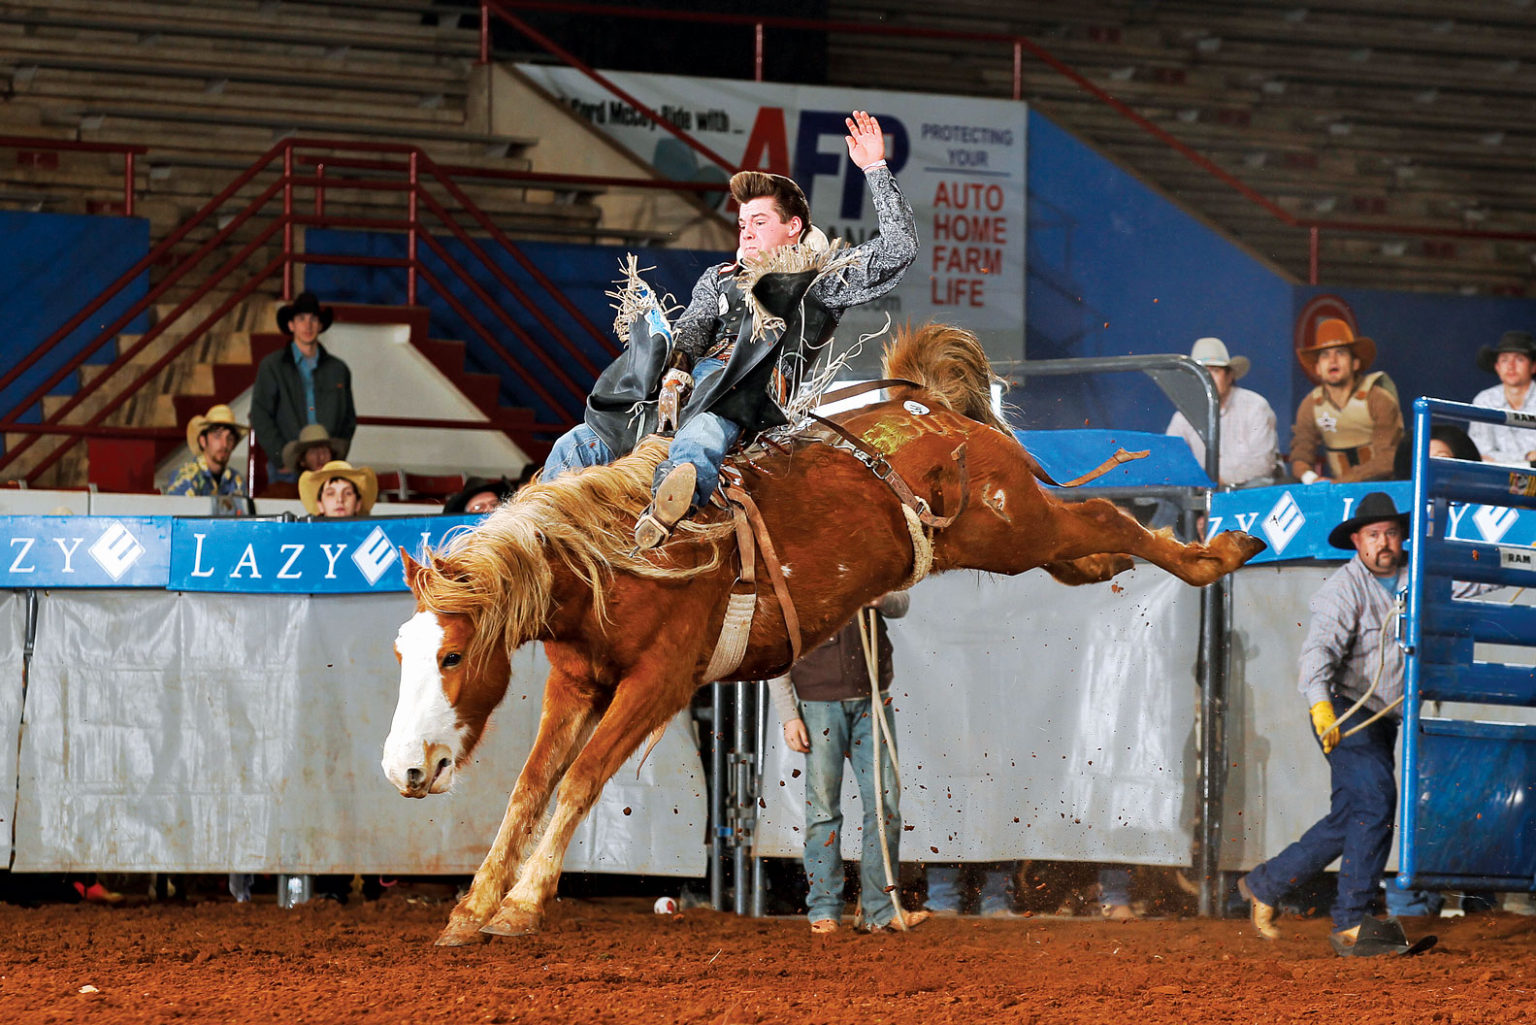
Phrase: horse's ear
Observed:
(413, 569)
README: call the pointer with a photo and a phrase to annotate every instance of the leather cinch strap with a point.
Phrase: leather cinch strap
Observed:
(771, 561)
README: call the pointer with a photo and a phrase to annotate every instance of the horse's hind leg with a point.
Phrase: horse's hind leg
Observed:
(637, 709)
(568, 714)
(1098, 526)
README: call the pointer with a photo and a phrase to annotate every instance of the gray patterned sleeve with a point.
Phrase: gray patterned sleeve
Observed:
(695, 326)
(884, 258)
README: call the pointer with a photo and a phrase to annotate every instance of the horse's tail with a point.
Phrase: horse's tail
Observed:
(949, 363)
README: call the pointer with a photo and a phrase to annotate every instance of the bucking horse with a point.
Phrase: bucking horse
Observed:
(814, 523)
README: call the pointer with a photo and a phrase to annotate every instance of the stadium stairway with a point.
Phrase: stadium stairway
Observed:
(218, 368)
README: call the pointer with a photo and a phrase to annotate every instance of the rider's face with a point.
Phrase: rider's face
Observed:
(760, 229)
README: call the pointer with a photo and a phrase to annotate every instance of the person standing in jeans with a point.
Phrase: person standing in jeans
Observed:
(828, 715)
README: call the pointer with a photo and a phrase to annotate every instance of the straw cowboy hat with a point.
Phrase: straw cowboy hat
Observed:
(1329, 334)
(362, 478)
(1212, 352)
(1510, 341)
(305, 303)
(1375, 507)
(312, 436)
(219, 416)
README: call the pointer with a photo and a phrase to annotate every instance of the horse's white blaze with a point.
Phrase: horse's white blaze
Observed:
(425, 728)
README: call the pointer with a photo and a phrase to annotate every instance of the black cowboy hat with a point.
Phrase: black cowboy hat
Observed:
(1509, 341)
(1375, 507)
(305, 303)
(500, 487)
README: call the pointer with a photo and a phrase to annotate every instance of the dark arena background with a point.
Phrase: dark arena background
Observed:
(204, 819)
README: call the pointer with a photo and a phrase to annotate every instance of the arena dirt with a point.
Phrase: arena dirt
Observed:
(615, 961)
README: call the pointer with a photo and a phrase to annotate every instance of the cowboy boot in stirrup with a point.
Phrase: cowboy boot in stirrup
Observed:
(674, 497)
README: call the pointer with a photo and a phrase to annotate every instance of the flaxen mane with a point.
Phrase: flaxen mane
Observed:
(498, 574)
(950, 363)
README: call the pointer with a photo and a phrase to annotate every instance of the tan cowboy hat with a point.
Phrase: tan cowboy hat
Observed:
(362, 478)
(1212, 352)
(1330, 334)
(218, 416)
(310, 437)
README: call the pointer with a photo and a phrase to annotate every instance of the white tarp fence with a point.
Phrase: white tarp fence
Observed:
(1033, 720)
(182, 732)
(205, 733)
(13, 629)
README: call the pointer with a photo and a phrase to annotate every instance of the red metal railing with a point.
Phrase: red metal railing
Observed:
(453, 217)
(129, 152)
(1019, 45)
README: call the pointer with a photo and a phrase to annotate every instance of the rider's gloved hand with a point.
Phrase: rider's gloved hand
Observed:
(674, 392)
(1325, 726)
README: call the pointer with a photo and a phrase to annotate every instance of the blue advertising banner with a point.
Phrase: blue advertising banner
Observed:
(84, 551)
(336, 557)
(1294, 519)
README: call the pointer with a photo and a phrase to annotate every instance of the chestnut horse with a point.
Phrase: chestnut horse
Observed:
(629, 635)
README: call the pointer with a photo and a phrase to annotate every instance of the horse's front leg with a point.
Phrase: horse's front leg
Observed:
(569, 712)
(642, 702)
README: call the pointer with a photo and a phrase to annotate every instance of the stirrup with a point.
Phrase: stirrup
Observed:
(674, 497)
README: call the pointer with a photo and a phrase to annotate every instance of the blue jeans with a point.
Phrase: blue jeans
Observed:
(703, 441)
(1115, 884)
(1357, 828)
(839, 730)
(576, 449)
(1402, 902)
(945, 891)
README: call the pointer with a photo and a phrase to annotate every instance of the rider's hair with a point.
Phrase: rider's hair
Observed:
(787, 198)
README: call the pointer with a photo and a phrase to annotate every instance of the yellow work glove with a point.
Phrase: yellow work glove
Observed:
(1325, 725)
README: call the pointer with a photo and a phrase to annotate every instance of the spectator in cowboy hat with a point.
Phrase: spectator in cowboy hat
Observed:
(213, 437)
(1249, 455)
(1348, 427)
(301, 384)
(313, 448)
(1512, 360)
(338, 489)
(480, 495)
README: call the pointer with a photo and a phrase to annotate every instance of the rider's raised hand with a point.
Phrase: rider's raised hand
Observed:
(866, 143)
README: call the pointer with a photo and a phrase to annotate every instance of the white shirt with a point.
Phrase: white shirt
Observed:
(1248, 446)
(1497, 443)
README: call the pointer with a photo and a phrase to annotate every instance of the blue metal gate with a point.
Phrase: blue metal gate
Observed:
(1468, 814)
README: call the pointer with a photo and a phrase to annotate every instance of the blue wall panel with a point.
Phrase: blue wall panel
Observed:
(52, 265)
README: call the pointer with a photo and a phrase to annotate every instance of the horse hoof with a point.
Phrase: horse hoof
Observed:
(509, 922)
(461, 934)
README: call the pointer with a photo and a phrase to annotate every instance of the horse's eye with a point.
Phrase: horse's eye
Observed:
(451, 660)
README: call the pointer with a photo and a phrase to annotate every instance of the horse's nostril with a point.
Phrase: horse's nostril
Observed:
(443, 765)
(414, 777)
